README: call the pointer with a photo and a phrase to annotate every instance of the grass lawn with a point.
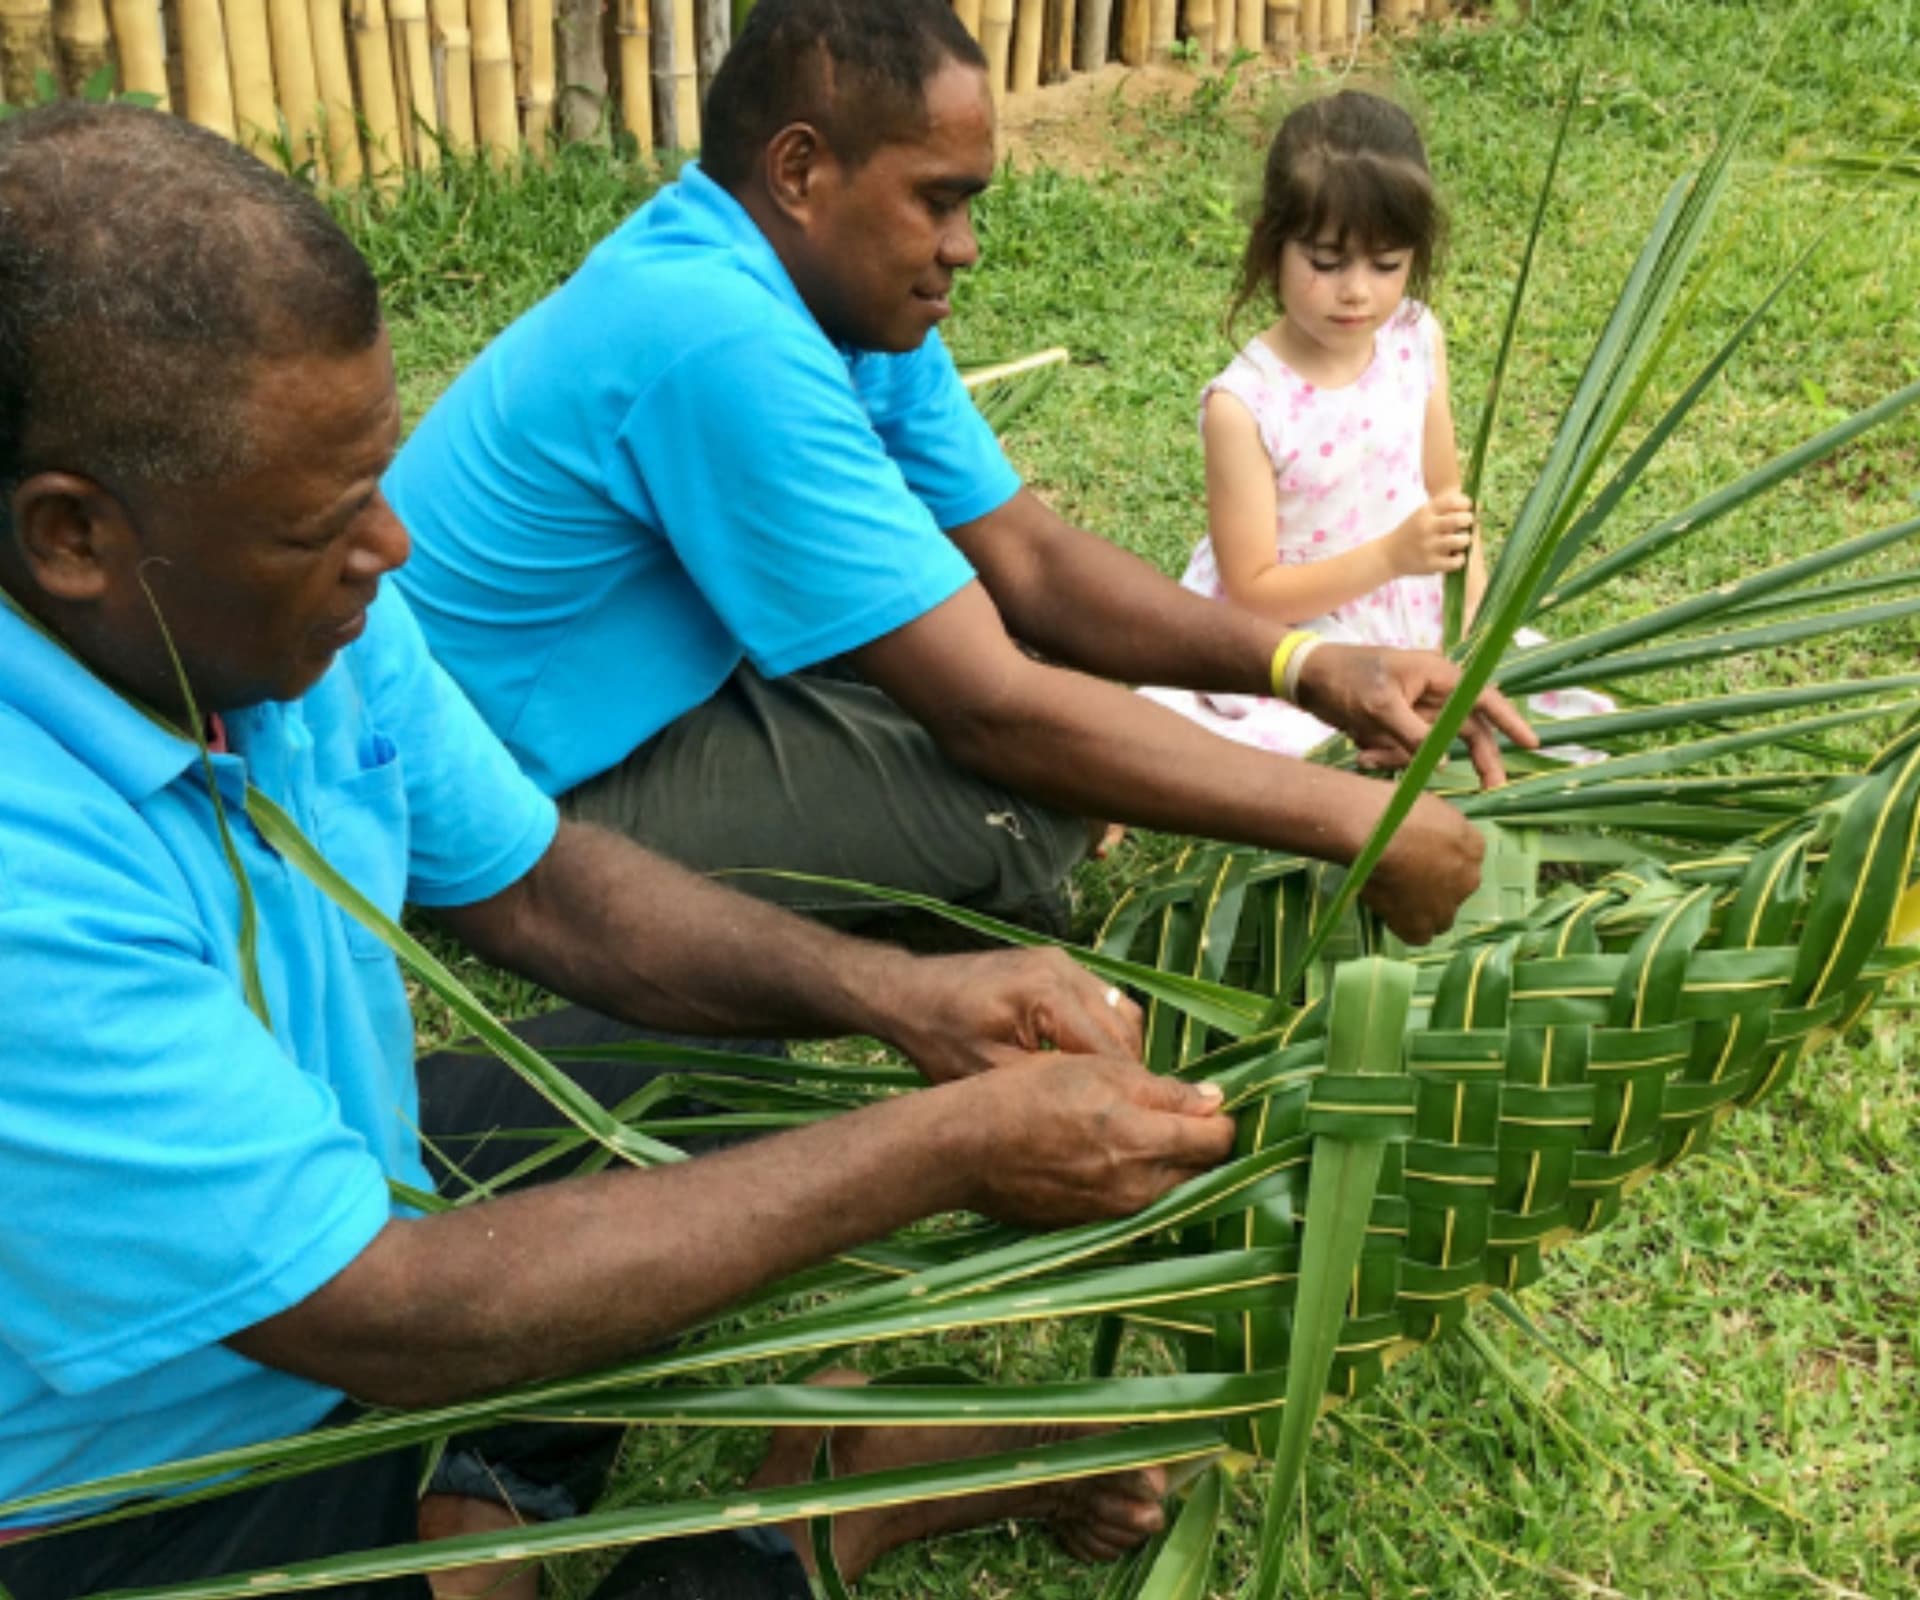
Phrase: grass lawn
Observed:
(1738, 1408)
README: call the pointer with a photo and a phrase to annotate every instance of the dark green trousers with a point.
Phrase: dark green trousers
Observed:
(824, 774)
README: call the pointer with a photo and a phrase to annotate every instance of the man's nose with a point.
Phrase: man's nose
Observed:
(959, 245)
(382, 543)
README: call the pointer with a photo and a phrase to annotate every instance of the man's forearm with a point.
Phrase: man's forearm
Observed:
(1083, 601)
(588, 1271)
(615, 927)
(581, 1273)
(1094, 748)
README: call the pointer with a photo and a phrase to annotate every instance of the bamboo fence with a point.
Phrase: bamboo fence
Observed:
(353, 89)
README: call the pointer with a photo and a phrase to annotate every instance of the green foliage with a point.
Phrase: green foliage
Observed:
(99, 89)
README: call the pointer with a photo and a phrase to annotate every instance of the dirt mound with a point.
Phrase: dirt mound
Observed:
(1072, 126)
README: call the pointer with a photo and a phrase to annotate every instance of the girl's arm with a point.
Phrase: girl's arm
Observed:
(1440, 464)
(1240, 521)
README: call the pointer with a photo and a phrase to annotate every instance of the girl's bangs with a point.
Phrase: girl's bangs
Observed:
(1374, 204)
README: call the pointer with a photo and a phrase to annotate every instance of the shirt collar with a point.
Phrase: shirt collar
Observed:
(50, 687)
(715, 212)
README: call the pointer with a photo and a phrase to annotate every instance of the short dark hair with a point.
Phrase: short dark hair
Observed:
(1351, 163)
(145, 266)
(855, 69)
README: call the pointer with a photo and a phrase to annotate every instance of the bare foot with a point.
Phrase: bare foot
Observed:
(1095, 1519)
(442, 1516)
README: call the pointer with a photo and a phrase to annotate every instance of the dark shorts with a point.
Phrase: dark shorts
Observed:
(545, 1471)
(821, 773)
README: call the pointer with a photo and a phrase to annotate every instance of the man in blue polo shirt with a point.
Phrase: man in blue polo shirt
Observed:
(663, 513)
(208, 1084)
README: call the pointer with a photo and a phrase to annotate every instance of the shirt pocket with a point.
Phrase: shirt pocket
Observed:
(360, 826)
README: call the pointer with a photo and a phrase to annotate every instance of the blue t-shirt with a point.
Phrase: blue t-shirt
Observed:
(666, 466)
(173, 1172)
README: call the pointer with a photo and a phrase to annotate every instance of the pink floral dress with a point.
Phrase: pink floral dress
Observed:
(1347, 469)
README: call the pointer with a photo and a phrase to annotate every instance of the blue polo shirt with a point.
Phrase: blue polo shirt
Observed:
(666, 466)
(172, 1171)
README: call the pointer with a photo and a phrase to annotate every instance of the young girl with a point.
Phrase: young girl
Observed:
(1333, 484)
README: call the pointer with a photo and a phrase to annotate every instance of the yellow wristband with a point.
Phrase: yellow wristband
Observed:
(1283, 656)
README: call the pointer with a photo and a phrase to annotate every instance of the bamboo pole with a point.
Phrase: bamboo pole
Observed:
(139, 45)
(26, 48)
(1092, 35)
(413, 64)
(968, 11)
(675, 86)
(1030, 18)
(581, 57)
(81, 39)
(1200, 28)
(686, 77)
(1136, 31)
(1283, 25)
(533, 55)
(379, 103)
(1337, 24)
(666, 108)
(1390, 15)
(1252, 35)
(1162, 28)
(296, 89)
(207, 87)
(716, 38)
(496, 119)
(256, 109)
(453, 44)
(631, 24)
(1056, 60)
(996, 39)
(326, 22)
(402, 85)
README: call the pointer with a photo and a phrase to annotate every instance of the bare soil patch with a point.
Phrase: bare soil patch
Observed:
(1072, 126)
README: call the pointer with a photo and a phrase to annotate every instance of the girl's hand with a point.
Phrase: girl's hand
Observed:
(1435, 538)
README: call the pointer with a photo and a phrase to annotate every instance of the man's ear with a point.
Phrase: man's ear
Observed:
(72, 535)
(794, 158)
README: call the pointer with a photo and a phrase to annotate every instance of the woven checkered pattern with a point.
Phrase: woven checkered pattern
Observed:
(1547, 1063)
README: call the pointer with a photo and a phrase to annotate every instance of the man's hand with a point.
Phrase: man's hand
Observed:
(1386, 700)
(958, 1015)
(1430, 866)
(1080, 1138)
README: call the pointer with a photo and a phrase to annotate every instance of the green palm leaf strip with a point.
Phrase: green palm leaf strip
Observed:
(1544, 660)
(1352, 1121)
(1110, 1452)
(1184, 1561)
(1221, 1006)
(1600, 776)
(1604, 503)
(1692, 650)
(573, 1102)
(248, 936)
(1005, 389)
(1663, 716)
(1454, 602)
(1622, 363)
(1710, 508)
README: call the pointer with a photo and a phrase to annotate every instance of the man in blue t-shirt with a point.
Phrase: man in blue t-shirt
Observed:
(716, 542)
(208, 1088)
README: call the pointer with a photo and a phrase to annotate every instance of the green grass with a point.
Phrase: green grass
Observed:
(1755, 1320)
